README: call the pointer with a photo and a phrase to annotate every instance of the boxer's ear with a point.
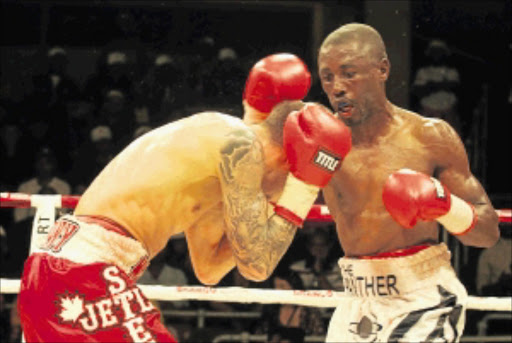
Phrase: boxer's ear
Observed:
(384, 68)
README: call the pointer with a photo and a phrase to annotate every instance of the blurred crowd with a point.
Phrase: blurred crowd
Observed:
(77, 125)
(62, 133)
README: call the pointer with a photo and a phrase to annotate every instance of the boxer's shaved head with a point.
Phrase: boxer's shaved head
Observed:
(353, 67)
(369, 42)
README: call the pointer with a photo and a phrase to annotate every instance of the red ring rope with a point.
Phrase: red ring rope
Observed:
(318, 213)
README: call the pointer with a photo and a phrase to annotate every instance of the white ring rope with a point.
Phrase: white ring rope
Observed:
(314, 298)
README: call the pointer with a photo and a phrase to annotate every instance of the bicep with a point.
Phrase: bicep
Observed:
(241, 172)
(454, 172)
(453, 168)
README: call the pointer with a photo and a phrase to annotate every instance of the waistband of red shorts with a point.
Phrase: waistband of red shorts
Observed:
(106, 223)
(397, 253)
(133, 268)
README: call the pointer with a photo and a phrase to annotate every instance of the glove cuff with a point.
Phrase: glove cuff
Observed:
(461, 217)
(296, 200)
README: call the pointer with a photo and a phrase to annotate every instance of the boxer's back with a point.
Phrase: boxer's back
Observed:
(164, 181)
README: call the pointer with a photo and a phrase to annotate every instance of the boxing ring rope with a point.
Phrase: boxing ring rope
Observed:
(313, 298)
(45, 211)
(20, 200)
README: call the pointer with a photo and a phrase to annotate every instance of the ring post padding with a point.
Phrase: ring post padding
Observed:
(45, 217)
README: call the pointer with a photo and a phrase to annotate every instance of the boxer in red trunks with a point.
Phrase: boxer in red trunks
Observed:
(237, 190)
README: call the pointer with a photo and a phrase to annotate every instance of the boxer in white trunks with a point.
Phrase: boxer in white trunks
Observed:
(404, 176)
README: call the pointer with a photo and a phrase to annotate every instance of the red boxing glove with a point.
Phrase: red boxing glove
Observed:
(315, 143)
(410, 196)
(276, 78)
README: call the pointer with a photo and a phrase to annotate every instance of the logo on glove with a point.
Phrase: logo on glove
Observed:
(440, 193)
(326, 160)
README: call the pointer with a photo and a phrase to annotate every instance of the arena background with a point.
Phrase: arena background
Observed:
(477, 33)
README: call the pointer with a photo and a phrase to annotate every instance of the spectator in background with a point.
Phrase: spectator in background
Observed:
(10, 328)
(55, 87)
(494, 269)
(286, 320)
(117, 113)
(200, 66)
(15, 324)
(113, 72)
(319, 270)
(53, 91)
(231, 74)
(41, 128)
(494, 278)
(178, 249)
(4, 320)
(436, 85)
(4, 251)
(161, 272)
(95, 154)
(139, 131)
(80, 122)
(45, 181)
(226, 83)
(126, 39)
(18, 242)
(286, 335)
(161, 92)
(234, 279)
(13, 160)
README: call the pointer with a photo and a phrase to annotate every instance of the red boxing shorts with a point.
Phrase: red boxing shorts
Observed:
(80, 287)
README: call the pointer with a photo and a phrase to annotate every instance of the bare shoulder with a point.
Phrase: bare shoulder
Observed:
(241, 143)
(229, 135)
(236, 133)
(437, 136)
(217, 120)
(241, 157)
(428, 130)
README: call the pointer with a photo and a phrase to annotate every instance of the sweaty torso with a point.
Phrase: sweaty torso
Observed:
(165, 182)
(354, 195)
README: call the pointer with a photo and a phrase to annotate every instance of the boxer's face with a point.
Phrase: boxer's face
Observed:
(352, 80)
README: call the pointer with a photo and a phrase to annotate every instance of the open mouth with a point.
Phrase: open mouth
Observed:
(344, 109)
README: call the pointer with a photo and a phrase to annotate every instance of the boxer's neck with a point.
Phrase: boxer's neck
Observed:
(374, 127)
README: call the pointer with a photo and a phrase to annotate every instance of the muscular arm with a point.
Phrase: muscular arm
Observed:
(454, 172)
(258, 239)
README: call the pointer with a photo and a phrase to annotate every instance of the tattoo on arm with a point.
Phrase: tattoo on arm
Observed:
(258, 242)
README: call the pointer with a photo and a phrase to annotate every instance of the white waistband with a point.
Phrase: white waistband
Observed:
(91, 243)
(393, 275)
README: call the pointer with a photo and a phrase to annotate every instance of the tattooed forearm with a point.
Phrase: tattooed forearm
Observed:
(258, 242)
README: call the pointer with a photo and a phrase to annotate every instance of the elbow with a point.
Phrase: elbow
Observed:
(492, 234)
(488, 241)
(208, 281)
(207, 277)
(493, 237)
(257, 274)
